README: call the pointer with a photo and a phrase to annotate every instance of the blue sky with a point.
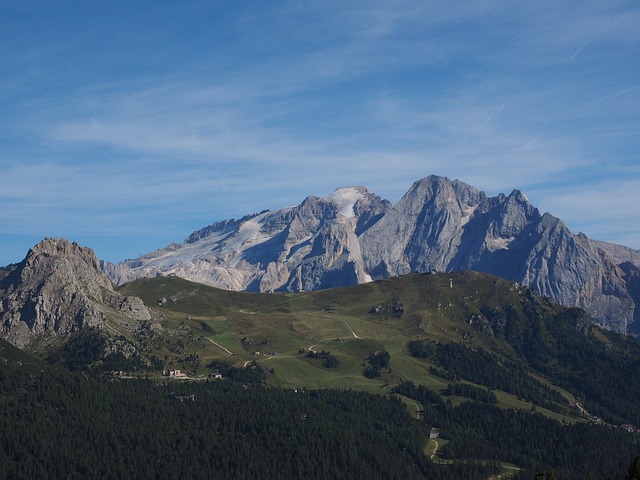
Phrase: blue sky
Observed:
(127, 125)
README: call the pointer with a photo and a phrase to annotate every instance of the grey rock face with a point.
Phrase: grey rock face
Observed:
(447, 225)
(58, 289)
(353, 236)
(309, 246)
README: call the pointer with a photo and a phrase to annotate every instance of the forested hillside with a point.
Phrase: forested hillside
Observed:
(58, 424)
(536, 444)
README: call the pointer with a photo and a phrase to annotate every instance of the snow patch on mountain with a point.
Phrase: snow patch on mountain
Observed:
(345, 199)
(498, 243)
(249, 233)
(467, 214)
(226, 243)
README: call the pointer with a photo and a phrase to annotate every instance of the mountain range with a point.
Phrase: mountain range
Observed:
(353, 236)
(487, 361)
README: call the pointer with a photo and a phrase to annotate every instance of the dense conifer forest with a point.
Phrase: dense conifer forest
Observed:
(57, 424)
(477, 430)
(60, 424)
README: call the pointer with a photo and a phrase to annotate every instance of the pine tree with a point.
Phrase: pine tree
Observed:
(634, 470)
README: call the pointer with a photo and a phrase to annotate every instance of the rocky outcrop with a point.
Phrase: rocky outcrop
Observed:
(353, 236)
(58, 289)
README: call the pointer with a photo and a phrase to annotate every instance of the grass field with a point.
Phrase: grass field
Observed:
(278, 330)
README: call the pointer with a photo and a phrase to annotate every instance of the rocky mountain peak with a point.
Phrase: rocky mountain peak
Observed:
(352, 236)
(57, 289)
(60, 247)
(518, 196)
(436, 193)
(57, 260)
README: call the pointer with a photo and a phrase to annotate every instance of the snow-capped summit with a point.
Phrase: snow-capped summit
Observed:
(352, 236)
(308, 246)
(345, 199)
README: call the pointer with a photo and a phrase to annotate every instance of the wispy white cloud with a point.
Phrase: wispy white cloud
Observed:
(217, 111)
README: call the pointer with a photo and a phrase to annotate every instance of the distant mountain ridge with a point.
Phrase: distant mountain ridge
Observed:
(353, 236)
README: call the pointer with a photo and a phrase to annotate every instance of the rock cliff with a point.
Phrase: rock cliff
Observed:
(57, 289)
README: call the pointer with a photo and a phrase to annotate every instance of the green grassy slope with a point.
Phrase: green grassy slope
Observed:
(530, 350)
